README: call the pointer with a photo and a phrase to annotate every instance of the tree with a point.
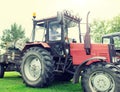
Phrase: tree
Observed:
(12, 35)
(98, 29)
(115, 24)
(102, 27)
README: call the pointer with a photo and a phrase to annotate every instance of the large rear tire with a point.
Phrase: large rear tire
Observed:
(101, 77)
(1, 70)
(37, 67)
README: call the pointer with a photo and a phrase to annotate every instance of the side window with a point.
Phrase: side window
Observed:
(106, 40)
(40, 33)
(116, 41)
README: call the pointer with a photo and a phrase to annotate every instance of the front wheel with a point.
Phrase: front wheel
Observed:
(101, 77)
(37, 67)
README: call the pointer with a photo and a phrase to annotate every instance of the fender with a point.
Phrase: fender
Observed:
(81, 66)
(31, 44)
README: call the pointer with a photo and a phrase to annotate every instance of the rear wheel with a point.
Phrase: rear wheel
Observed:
(101, 77)
(37, 67)
(1, 70)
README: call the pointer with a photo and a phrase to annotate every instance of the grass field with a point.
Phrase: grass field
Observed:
(12, 82)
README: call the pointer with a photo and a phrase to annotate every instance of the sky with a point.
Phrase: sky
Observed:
(20, 11)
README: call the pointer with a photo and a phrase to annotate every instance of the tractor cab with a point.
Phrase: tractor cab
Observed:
(57, 32)
(113, 39)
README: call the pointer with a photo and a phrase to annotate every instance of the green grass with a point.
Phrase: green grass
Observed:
(12, 82)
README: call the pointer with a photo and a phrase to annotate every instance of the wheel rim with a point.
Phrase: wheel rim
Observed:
(33, 68)
(101, 81)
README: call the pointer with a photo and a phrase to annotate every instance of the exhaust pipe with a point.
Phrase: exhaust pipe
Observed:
(87, 39)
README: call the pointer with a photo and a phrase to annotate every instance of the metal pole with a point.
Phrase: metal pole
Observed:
(79, 32)
(33, 31)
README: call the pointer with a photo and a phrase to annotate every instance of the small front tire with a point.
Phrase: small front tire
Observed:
(99, 77)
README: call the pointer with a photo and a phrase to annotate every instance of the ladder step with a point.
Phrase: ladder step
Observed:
(60, 71)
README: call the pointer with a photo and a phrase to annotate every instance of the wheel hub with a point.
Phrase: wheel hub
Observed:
(33, 68)
(101, 82)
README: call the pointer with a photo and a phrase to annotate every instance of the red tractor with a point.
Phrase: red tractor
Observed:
(58, 52)
(59, 56)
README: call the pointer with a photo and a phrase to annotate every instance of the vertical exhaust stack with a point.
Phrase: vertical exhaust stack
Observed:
(87, 39)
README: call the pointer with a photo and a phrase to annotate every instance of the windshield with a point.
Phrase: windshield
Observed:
(116, 41)
(112, 40)
(106, 41)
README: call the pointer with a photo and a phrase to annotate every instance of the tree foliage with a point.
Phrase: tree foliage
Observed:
(102, 27)
(115, 24)
(12, 35)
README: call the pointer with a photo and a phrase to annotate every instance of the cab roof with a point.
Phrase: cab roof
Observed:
(111, 34)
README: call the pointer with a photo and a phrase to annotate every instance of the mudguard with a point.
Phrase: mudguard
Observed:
(31, 44)
(81, 66)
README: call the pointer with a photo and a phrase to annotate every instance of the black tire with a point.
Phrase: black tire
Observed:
(101, 77)
(1, 70)
(37, 67)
